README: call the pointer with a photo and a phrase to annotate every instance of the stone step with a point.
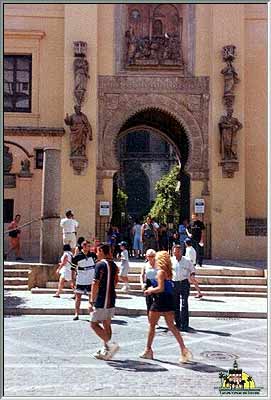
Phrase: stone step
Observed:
(214, 270)
(212, 288)
(16, 287)
(23, 273)
(15, 281)
(139, 293)
(231, 280)
(26, 265)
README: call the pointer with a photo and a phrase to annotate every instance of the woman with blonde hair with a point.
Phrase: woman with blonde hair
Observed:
(163, 304)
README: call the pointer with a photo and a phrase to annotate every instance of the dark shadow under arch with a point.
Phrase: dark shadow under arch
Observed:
(164, 122)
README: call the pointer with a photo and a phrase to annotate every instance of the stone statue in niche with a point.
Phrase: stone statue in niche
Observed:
(81, 77)
(81, 71)
(230, 75)
(8, 160)
(25, 169)
(230, 79)
(228, 127)
(80, 131)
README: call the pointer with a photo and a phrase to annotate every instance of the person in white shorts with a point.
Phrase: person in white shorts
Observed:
(69, 227)
(124, 266)
(102, 300)
(190, 254)
(64, 269)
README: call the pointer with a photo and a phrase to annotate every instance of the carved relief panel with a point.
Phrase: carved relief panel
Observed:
(155, 37)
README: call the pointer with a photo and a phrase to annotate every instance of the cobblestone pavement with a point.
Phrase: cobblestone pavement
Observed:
(51, 356)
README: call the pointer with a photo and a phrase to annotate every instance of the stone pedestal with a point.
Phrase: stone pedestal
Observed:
(50, 245)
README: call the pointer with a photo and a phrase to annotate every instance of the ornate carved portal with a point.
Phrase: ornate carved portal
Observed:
(184, 100)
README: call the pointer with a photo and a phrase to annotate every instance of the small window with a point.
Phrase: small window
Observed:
(8, 210)
(17, 83)
(39, 158)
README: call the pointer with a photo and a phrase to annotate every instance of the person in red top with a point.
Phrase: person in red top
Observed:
(14, 238)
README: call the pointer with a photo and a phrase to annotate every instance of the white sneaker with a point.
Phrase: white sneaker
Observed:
(123, 289)
(102, 354)
(113, 348)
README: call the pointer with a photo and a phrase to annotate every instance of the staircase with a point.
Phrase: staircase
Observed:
(16, 276)
(213, 281)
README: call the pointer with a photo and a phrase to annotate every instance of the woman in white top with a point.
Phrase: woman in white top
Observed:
(64, 269)
(191, 255)
(148, 272)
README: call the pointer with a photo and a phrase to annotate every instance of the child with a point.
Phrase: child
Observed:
(124, 266)
(191, 255)
(64, 269)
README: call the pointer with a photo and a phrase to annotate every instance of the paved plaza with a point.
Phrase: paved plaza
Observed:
(52, 356)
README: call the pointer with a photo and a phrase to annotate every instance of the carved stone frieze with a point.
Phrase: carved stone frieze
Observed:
(185, 99)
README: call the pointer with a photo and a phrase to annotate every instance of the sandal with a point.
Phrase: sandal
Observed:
(186, 356)
(56, 295)
(147, 354)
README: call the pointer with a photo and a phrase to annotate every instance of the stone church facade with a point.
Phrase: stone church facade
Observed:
(79, 78)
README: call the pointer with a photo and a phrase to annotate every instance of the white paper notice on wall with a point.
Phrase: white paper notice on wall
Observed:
(104, 208)
(199, 206)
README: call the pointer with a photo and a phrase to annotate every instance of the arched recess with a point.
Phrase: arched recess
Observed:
(19, 146)
(131, 106)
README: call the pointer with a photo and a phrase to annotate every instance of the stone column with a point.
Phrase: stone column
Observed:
(50, 243)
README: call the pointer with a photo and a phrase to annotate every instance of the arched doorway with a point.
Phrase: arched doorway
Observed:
(149, 144)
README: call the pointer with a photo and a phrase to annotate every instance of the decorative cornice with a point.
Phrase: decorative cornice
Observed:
(23, 34)
(32, 131)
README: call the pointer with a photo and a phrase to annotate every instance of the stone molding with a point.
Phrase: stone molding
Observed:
(32, 131)
(23, 34)
(184, 99)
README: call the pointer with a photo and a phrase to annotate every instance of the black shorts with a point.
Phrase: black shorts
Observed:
(83, 289)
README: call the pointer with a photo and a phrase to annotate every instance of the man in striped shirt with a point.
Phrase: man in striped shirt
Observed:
(85, 266)
(102, 300)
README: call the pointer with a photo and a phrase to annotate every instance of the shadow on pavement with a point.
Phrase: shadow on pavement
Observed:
(212, 300)
(118, 322)
(212, 332)
(195, 366)
(11, 301)
(136, 366)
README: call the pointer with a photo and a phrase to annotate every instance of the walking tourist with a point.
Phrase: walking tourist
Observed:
(64, 270)
(85, 262)
(148, 272)
(102, 300)
(192, 256)
(78, 247)
(163, 237)
(137, 244)
(14, 238)
(163, 304)
(182, 270)
(124, 266)
(183, 234)
(149, 235)
(195, 232)
(69, 226)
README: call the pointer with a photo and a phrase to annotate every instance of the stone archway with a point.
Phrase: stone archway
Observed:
(185, 100)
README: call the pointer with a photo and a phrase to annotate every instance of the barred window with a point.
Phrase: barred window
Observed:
(39, 158)
(17, 83)
(8, 210)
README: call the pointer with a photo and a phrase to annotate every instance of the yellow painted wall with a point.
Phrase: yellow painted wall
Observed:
(106, 44)
(79, 192)
(256, 110)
